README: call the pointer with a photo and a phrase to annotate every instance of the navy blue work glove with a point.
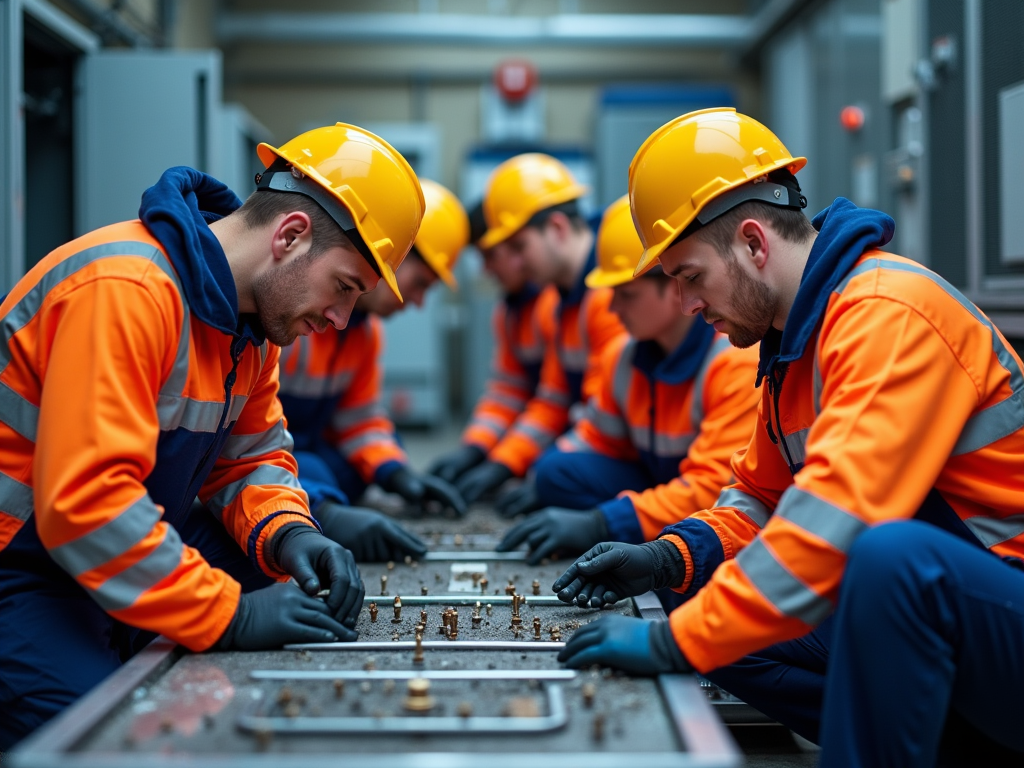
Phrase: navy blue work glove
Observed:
(419, 489)
(316, 563)
(481, 479)
(519, 501)
(370, 536)
(565, 531)
(281, 613)
(613, 570)
(636, 646)
(451, 466)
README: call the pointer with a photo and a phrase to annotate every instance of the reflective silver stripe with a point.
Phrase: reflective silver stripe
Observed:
(817, 380)
(23, 416)
(824, 519)
(509, 401)
(573, 360)
(528, 355)
(363, 439)
(265, 474)
(18, 413)
(542, 436)
(622, 376)
(796, 442)
(573, 443)
(110, 540)
(745, 503)
(697, 402)
(995, 530)
(488, 423)
(277, 438)
(664, 444)
(609, 424)
(780, 587)
(553, 395)
(300, 384)
(121, 591)
(16, 498)
(237, 406)
(186, 413)
(993, 423)
(345, 418)
(264, 351)
(512, 380)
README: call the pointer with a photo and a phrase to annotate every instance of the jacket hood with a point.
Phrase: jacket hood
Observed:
(683, 363)
(177, 210)
(845, 232)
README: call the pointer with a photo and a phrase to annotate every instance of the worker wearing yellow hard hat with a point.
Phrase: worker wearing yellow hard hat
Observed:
(674, 402)
(871, 541)
(332, 393)
(531, 206)
(147, 379)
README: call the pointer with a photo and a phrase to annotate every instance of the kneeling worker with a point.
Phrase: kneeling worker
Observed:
(331, 392)
(862, 581)
(532, 209)
(140, 372)
(675, 400)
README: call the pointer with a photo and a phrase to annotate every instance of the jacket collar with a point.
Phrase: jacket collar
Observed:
(683, 363)
(575, 294)
(177, 210)
(845, 232)
(521, 297)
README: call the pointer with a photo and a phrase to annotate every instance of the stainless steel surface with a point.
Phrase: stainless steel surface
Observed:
(356, 674)
(450, 645)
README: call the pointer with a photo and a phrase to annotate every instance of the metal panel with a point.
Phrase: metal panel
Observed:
(139, 113)
(12, 147)
(1011, 173)
(237, 163)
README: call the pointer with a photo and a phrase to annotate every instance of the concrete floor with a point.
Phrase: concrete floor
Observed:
(764, 746)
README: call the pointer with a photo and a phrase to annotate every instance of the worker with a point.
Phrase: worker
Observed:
(522, 323)
(139, 373)
(531, 206)
(861, 580)
(675, 401)
(331, 391)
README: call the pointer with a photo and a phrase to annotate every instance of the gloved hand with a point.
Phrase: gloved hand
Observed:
(278, 614)
(520, 501)
(452, 465)
(368, 535)
(481, 479)
(567, 531)
(418, 489)
(634, 645)
(613, 570)
(313, 560)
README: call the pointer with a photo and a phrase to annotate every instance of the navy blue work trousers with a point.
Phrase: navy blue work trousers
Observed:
(584, 480)
(327, 476)
(56, 643)
(921, 665)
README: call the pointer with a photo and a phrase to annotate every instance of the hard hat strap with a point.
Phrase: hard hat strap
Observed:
(780, 188)
(279, 177)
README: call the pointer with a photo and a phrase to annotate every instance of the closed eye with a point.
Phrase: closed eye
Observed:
(692, 278)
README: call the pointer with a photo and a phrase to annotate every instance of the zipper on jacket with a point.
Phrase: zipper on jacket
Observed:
(775, 390)
(237, 350)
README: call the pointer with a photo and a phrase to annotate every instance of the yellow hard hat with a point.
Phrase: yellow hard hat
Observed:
(618, 247)
(698, 166)
(521, 187)
(444, 231)
(381, 199)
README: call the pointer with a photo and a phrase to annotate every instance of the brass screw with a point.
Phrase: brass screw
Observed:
(536, 587)
(423, 589)
(483, 585)
(373, 613)
(339, 688)
(599, 727)
(384, 586)
(423, 616)
(398, 611)
(391, 565)
(465, 709)
(588, 691)
(536, 627)
(417, 654)
(418, 698)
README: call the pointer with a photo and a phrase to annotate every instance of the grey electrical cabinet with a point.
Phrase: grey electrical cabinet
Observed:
(139, 113)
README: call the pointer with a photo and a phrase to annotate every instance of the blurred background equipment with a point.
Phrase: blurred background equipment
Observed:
(911, 106)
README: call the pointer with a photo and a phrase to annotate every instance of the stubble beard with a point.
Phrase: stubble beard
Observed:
(754, 305)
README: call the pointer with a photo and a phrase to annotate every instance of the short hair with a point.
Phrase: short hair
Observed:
(264, 205)
(570, 209)
(787, 223)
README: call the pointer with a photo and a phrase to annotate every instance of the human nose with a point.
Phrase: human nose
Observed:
(690, 304)
(338, 315)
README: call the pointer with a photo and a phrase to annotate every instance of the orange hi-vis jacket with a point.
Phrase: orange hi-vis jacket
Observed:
(583, 326)
(523, 328)
(889, 395)
(124, 398)
(331, 390)
(681, 416)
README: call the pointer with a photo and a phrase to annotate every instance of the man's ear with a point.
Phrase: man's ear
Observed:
(754, 239)
(292, 236)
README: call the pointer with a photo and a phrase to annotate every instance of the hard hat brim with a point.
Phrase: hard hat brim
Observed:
(438, 264)
(499, 234)
(603, 278)
(268, 154)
